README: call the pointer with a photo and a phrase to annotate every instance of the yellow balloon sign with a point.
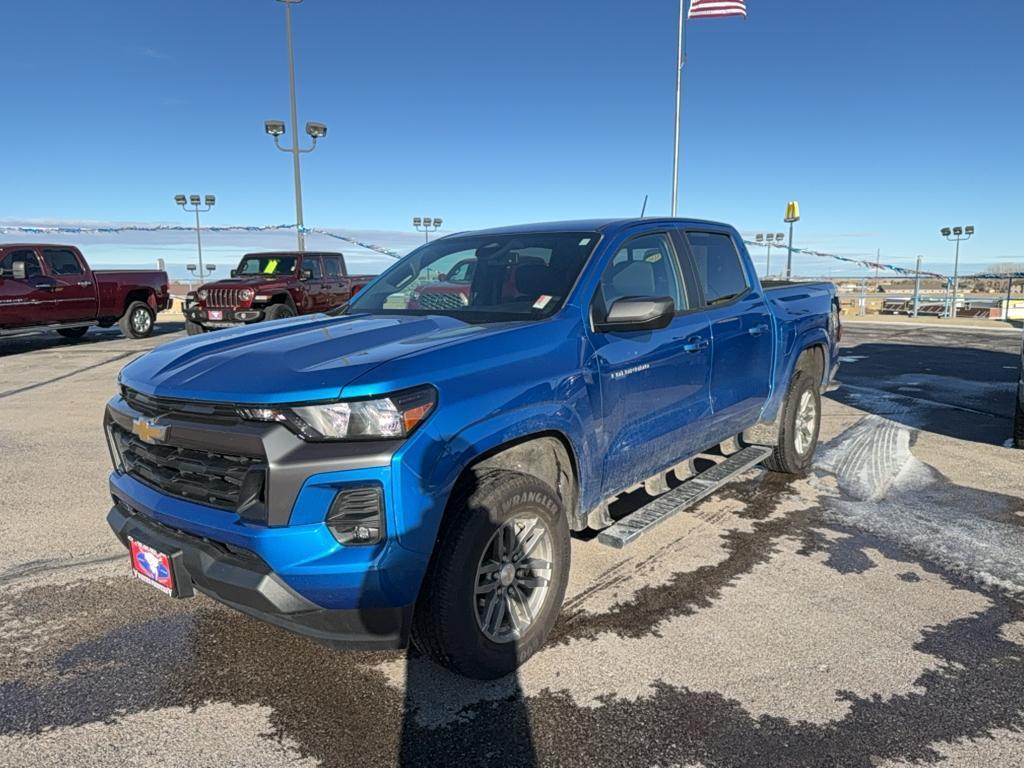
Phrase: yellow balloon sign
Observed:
(792, 212)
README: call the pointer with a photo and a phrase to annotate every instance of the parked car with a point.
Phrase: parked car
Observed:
(272, 286)
(51, 287)
(452, 288)
(1018, 416)
(391, 472)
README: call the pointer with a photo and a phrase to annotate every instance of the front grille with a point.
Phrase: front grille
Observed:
(222, 297)
(161, 406)
(221, 480)
(442, 300)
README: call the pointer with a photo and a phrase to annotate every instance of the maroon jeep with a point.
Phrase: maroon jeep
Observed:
(272, 286)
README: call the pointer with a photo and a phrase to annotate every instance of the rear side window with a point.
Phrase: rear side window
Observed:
(312, 263)
(32, 268)
(718, 266)
(332, 266)
(61, 262)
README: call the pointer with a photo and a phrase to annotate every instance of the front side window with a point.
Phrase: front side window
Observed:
(7, 260)
(645, 267)
(311, 264)
(718, 266)
(268, 265)
(62, 262)
(483, 278)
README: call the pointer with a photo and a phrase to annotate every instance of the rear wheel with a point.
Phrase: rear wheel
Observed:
(278, 312)
(498, 577)
(73, 333)
(137, 321)
(801, 422)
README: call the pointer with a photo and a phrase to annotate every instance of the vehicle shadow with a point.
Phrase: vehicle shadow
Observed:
(962, 392)
(43, 339)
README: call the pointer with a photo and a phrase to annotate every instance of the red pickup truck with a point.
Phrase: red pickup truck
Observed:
(52, 287)
(272, 286)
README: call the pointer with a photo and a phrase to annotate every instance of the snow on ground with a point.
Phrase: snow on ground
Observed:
(886, 491)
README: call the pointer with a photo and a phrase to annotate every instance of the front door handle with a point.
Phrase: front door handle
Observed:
(46, 286)
(696, 344)
(84, 283)
(758, 330)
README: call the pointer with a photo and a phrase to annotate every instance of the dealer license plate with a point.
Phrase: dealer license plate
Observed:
(151, 566)
(216, 314)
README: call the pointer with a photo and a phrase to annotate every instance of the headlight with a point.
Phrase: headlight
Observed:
(392, 417)
(246, 294)
(202, 294)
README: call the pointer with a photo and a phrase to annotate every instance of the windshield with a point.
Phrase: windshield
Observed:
(482, 278)
(267, 264)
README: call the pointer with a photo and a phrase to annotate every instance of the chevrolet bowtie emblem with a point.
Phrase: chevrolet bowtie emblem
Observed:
(147, 431)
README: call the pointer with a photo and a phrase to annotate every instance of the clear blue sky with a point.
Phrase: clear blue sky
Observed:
(885, 120)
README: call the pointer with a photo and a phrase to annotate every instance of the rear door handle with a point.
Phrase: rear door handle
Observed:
(758, 330)
(696, 344)
(84, 283)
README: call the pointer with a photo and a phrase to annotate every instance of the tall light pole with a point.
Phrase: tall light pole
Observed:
(792, 216)
(956, 234)
(768, 240)
(426, 225)
(680, 61)
(193, 200)
(276, 128)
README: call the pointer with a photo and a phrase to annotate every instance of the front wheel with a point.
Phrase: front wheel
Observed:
(137, 321)
(193, 329)
(278, 312)
(498, 577)
(801, 423)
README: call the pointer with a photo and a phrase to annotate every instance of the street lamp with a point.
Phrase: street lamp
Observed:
(276, 128)
(426, 225)
(956, 234)
(792, 216)
(769, 240)
(194, 201)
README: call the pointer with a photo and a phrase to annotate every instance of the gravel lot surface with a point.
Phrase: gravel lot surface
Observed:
(867, 615)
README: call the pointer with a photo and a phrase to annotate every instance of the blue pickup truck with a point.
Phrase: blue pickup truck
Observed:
(388, 472)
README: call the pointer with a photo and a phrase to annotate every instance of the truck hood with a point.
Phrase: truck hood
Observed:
(257, 283)
(299, 360)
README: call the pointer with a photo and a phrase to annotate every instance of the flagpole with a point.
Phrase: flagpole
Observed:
(679, 88)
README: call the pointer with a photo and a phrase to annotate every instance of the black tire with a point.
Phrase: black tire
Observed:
(137, 321)
(1018, 423)
(794, 453)
(193, 329)
(73, 333)
(278, 312)
(448, 626)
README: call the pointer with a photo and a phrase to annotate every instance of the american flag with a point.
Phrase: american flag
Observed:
(704, 9)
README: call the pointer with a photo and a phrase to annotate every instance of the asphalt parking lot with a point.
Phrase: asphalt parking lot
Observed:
(869, 614)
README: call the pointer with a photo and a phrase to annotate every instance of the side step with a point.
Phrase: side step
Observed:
(635, 525)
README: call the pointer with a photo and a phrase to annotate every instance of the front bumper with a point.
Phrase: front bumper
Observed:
(242, 580)
(229, 316)
(350, 596)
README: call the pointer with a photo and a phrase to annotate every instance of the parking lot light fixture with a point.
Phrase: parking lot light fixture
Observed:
(276, 128)
(955, 235)
(426, 225)
(194, 202)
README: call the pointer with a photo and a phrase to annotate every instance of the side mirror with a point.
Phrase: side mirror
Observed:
(234, 273)
(638, 314)
(19, 271)
(307, 274)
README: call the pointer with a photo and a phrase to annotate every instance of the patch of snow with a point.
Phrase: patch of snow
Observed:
(852, 358)
(975, 533)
